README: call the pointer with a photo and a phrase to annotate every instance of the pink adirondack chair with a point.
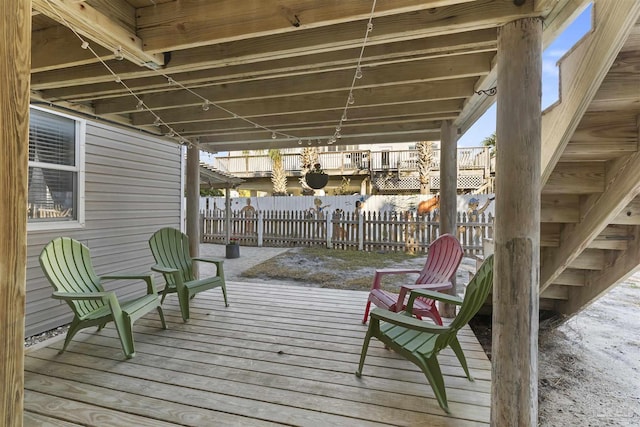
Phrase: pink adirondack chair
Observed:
(443, 259)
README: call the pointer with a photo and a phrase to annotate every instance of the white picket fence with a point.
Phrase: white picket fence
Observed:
(368, 231)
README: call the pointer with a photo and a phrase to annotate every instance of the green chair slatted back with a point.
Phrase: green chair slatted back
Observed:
(475, 296)
(419, 341)
(67, 265)
(170, 248)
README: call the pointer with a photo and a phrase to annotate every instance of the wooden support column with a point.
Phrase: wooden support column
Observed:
(227, 215)
(193, 202)
(448, 193)
(15, 65)
(514, 394)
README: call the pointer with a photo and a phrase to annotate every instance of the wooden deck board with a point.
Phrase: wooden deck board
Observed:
(230, 366)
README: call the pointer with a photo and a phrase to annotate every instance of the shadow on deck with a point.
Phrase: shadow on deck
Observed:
(278, 355)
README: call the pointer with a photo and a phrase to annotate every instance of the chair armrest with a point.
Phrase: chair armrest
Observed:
(218, 262)
(162, 269)
(212, 260)
(427, 286)
(438, 296)
(151, 289)
(379, 273)
(81, 296)
(396, 271)
(406, 321)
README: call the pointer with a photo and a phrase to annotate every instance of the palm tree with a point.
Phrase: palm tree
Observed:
(425, 157)
(490, 141)
(278, 174)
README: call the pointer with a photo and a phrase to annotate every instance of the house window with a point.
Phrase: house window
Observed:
(56, 170)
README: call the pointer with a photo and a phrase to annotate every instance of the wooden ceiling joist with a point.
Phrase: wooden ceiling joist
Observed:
(166, 27)
(99, 28)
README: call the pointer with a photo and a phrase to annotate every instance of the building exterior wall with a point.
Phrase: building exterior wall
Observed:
(132, 188)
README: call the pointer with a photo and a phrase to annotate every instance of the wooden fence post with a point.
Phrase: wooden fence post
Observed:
(360, 231)
(329, 230)
(260, 228)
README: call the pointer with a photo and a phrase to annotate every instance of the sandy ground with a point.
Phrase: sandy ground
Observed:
(589, 367)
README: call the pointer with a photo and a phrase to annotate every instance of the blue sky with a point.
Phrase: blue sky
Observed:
(486, 125)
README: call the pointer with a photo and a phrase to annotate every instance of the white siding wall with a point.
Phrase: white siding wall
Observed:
(132, 188)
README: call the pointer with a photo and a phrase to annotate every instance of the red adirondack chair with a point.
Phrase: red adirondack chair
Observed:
(443, 259)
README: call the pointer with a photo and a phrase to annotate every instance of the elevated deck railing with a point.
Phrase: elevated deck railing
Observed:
(340, 162)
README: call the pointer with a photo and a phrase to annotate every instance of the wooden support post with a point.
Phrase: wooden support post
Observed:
(227, 215)
(15, 65)
(193, 202)
(514, 394)
(448, 193)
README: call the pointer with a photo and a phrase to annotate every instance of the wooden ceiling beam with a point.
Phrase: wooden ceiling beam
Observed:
(622, 186)
(385, 97)
(356, 112)
(176, 25)
(56, 47)
(270, 48)
(469, 65)
(222, 72)
(99, 28)
(318, 132)
(285, 124)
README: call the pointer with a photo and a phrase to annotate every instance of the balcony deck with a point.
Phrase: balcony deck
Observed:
(279, 355)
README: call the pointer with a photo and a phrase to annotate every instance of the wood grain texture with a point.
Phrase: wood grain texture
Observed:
(448, 193)
(517, 228)
(15, 21)
(582, 71)
(294, 364)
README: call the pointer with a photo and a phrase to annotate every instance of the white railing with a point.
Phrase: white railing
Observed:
(343, 161)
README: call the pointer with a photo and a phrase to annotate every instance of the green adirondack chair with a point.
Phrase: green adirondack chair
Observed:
(419, 341)
(170, 249)
(67, 265)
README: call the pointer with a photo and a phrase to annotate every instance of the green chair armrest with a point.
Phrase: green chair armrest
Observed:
(211, 260)
(81, 296)
(438, 296)
(406, 321)
(126, 276)
(162, 269)
(151, 288)
(218, 262)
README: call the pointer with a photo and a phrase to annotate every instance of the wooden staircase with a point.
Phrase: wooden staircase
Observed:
(590, 216)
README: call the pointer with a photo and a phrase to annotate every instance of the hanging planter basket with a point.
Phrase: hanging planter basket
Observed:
(316, 180)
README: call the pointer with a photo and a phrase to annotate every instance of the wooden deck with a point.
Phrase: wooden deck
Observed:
(279, 355)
